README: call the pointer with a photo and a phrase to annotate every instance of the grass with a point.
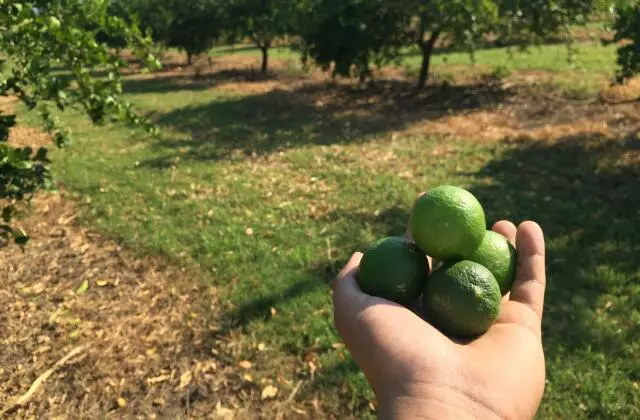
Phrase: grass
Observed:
(587, 57)
(578, 73)
(268, 195)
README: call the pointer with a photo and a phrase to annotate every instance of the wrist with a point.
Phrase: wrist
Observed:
(434, 402)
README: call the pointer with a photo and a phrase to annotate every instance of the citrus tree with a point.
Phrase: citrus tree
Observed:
(262, 21)
(192, 26)
(38, 38)
(461, 21)
(351, 34)
(627, 31)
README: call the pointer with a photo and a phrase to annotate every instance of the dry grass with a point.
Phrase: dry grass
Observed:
(149, 331)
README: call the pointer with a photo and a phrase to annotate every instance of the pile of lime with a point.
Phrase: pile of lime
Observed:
(475, 267)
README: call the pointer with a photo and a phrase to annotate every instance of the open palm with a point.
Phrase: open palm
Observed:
(417, 372)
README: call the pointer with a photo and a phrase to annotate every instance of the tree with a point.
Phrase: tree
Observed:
(461, 21)
(627, 28)
(36, 37)
(192, 26)
(350, 34)
(262, 21)
(353, 33)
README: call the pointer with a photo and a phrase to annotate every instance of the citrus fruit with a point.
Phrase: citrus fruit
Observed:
(395, 269)
(461, 299)
(498, 255)
(448, 223)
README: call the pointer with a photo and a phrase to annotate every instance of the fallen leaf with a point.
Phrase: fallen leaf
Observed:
(273, 312)
(249, 232)
(122, 403)
(223, 412)
(261, 347)
(269, 391)
(247, 377)
(83, 287)
(245, 364)
(158, 379)
(101, 283)
(298, 410)
(36, 289)
(42, 349)
(185, 379)
(312, 367)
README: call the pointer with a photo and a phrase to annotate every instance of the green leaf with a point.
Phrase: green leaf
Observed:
(83, 288)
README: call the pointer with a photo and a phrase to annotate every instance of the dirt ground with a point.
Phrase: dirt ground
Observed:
(120, 336)
(142, 346)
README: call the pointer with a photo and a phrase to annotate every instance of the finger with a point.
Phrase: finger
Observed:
(529, 284)
(506, 229)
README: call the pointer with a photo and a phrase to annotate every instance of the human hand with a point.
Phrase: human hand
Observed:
(417, 372)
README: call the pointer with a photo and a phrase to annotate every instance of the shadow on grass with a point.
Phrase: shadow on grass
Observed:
(186, 80)
(318, 114)
(583, 190)
(389, 222)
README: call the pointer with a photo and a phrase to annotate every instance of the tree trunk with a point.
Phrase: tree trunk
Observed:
(265, 58)
(427, 51)
(189, 58)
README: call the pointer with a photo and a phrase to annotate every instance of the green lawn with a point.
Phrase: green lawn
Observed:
(588, 57)
(578, 74)
(313, 184)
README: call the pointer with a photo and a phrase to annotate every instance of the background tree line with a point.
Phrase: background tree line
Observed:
(352, 36)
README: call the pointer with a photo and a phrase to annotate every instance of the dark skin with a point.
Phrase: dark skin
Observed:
(417, 372)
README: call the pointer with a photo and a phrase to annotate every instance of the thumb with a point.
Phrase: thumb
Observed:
(373, 328)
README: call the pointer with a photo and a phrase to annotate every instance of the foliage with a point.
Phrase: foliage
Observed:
(351, 34)
(627, 28)
(534, 21)
(262, 21)
(461, 21)
(192, 26)
(38, 37)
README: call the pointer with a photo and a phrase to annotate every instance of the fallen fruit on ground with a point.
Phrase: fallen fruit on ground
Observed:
(395, 269)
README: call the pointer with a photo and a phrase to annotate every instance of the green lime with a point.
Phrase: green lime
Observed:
(498, 255)
(448, 223)
(461, 299)
(395, 269)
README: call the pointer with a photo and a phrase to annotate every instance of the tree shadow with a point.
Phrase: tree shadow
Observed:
(583, 190)
(391, 221)
(187, 79)
(313, 113)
